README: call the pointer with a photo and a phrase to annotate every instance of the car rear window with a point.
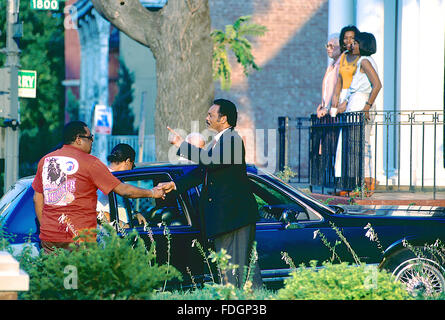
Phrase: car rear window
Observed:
(11, 198)
(17, 209)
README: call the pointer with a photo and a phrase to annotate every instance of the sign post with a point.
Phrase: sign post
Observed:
(103, 124)
(103, 119)
(9, 110)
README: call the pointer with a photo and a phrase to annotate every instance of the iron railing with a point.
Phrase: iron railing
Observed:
(325, 135)
(148, 146)
(405, 148)
(411, 147)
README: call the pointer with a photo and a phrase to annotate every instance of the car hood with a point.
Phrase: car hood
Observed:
(393, 211)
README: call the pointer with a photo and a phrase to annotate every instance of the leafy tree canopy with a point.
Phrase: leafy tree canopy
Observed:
(42, 49)
(234, 38)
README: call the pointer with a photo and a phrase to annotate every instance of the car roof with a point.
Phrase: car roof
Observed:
(142, 166)
(179, 165)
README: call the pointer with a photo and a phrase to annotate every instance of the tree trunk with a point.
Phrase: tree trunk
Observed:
(179, 38)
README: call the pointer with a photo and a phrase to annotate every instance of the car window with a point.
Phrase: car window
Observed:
(194, 194)
(272, 202)
(169, 211)
(11, 198)
(23, 220)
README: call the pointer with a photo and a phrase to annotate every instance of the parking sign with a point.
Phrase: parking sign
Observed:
(103, 119)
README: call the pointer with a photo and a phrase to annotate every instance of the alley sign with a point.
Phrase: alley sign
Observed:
(45, 4)
(27, 83)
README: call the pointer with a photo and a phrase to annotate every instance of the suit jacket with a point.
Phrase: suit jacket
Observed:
(227, 202)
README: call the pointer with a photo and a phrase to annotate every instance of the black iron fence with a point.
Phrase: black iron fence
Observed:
(405, 150)
(294, 138)
(337, 147)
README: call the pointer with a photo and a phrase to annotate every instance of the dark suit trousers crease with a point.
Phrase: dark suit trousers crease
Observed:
(238, 244)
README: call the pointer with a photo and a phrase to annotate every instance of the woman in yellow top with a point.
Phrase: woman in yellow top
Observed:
(347, 68)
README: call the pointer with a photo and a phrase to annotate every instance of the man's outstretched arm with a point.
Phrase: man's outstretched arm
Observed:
(129, 191)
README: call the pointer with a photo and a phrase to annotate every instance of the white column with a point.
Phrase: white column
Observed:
(103, 28)
(421, 85)
(89, 75)
(341, 14)
(102, 35)
(83, 113)
(370, 16)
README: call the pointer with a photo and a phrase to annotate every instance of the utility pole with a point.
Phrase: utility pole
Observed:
(9, 101)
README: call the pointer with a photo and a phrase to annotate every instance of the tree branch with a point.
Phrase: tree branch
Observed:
(130, 17)
(192, 12)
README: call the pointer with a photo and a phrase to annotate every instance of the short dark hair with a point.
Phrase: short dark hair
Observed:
(342, 35)
(72, 129)
(228, 109)
(121, 152)
(367, 43)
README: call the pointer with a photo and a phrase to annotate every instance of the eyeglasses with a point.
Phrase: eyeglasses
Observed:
(329, 46)
(90, 137)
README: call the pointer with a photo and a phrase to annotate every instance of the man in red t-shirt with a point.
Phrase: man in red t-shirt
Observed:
(65, 188)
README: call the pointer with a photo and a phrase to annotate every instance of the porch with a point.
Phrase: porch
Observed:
(407, 157)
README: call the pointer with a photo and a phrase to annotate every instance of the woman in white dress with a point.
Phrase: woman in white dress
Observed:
(362, 93)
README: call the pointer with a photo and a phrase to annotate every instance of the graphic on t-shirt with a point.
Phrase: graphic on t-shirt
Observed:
(58, 187)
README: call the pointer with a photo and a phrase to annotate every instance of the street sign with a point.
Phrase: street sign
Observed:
(45, 4)
(27, 83)
(103, 119)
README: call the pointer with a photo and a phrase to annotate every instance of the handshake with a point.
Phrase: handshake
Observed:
(162, 189)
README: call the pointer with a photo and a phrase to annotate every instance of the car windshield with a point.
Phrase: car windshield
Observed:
(12, 197)
(306, 198)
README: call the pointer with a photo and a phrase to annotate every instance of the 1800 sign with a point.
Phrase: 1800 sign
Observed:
(45, 4)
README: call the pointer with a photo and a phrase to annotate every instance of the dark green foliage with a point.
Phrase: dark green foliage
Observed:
(114, 268)
(342, 282)
(42, 49)
(72, 105)
(234, 37)
(123, 117)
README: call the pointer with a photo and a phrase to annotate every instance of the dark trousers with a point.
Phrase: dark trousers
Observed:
(238, 244)
(49, 247)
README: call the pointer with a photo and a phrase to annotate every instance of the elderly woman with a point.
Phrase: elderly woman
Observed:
(330, 76)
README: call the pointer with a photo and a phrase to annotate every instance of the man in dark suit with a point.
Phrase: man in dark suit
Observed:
(227, 203)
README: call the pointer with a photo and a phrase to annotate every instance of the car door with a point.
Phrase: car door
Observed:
(169, 224)
(281, 244)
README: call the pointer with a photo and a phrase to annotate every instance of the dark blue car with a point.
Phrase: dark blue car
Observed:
(291, 222)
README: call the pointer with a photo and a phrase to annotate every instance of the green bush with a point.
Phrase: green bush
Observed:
(217, 292)
(341, 282)
(114, 268)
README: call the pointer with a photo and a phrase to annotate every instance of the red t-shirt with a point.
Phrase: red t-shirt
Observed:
(69, 179)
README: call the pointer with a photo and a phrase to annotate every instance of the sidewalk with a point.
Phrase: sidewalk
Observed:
(383, 197)
(388, 198)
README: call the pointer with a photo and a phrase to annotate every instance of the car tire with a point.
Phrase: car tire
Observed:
(420, 274)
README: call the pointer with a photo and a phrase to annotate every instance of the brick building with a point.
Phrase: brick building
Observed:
(291, 56)
(293, 61)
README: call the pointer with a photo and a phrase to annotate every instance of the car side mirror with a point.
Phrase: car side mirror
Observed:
(289, 216)
(283, 213)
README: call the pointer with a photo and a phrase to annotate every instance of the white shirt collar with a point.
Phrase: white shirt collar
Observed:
(218, 136)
